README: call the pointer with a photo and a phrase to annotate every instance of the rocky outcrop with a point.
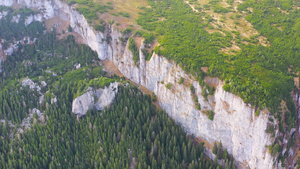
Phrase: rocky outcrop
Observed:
(234, 123)
(26, 123)
(32, 18)
(84, 102)
(106, 96)
(28, 82)
(3, 14)
(7, 2)
(293, 154)
(87, 100)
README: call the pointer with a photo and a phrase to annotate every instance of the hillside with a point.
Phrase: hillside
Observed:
(226, 70)
(39, 129)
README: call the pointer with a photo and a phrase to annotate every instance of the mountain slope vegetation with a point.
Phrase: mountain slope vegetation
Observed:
(261, 74)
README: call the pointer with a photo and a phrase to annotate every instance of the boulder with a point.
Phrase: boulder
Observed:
(84, 102)
(87, 100)
(106, 96)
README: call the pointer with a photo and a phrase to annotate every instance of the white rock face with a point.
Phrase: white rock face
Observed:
(9, 123)
(43, 83)
(32, 18)
(77, 65)
(53, 100)
(29, 20)
(83, 103)
(10, 50)
(7, 2)
(86, 101)
(13, 46)
(234, 124)
(25, 125)
(41, 99)
(1, 65)
(16, 18)
(3, 14)
(31, 84)
(106, 96)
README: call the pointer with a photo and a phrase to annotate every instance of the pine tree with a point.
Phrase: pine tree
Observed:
(225, 154)
(215, 148)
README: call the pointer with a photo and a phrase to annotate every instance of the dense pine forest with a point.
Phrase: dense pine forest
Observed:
(131, 133)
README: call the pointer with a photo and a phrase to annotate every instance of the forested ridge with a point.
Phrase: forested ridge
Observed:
(129, 133)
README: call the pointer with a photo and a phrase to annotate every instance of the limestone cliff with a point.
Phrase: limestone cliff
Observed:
(83, 103)
(87, 100)
(234, 123)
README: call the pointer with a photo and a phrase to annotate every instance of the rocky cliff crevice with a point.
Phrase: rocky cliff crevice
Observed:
(2, 55)
(234, 123)
(294, 135)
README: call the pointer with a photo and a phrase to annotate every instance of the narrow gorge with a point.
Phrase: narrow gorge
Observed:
(234, 122)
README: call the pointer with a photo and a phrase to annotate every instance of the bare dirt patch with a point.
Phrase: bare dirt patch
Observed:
(129, 6)
(212, 81)
(214, 30)
(263, 41)
(206, 143)
(138, 41)
(228, 21)
(110, 68)
(203, 2)
(192, 6)
(226, 106)
(280, 28)
(231, 50)
(119, 22)
(204, 69)
(162, 19)
(282, 11)
(296, 81)
(153, 45)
